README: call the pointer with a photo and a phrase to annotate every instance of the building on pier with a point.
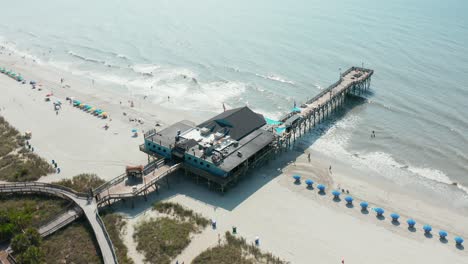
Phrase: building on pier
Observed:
(218, 150)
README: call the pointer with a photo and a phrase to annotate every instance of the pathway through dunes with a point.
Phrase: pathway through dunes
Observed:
(88, 206)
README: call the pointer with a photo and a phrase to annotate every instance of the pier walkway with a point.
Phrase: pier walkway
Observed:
(89, 207)
(60, 221)
(354, 81)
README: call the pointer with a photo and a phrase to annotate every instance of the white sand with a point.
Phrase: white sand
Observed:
(292, 222)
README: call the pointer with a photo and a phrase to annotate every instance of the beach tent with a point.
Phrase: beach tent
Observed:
(336, 194)
(411, 222)
(272, 122)
(427, 228)
(280, 130)
(443, 234)
(309, 182)
(321, 187)
(364, 205)
(296, 178)
(349, 199)
(379, 211)
(458, 240)
(296, 109)
(394, 217)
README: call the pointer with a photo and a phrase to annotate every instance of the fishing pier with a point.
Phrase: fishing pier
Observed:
(222, 149)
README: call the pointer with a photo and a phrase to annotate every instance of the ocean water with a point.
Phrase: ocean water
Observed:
(268, 54)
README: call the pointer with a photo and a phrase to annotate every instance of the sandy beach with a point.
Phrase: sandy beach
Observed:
(293, 222)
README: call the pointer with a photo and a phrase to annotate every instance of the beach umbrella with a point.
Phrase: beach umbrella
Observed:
(336, 193)
(458, 240)
(394, 216)
(134, 130)
(442, 234)
(364, 205)
(349, 199)
(379, 211)
(411, 222)
(321, 187)
(297, 178)
(309, 182)
(427, 228)
(104, 114)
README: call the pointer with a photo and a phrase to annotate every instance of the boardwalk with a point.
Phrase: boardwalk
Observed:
(60, 221)
(89, 208)
(122, 187)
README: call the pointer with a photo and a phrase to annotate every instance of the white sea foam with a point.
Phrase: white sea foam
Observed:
(335, 140)
(275, 77)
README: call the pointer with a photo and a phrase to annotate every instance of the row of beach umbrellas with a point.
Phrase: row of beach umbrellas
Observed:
(90, 109)
(379, 211)
(12, 74)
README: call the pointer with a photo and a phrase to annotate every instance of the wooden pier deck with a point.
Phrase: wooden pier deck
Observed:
(123, 187)
(355, 81)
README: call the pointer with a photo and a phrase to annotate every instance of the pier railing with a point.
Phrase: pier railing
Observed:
(106, 235)
(107, 196)
(42, 187)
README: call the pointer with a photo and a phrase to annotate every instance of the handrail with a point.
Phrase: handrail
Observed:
(40, 185)
(122, 176)
(60, 225)
(141, 189)
(106, 235)
(70, 206)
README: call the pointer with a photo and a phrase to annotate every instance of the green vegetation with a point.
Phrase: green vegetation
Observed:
(82, 182)
(114, 224)
(181, 213)
(73, 244)
(26, 247)
(17, 163)
(20, 212)
(162, 239)
(236, 250)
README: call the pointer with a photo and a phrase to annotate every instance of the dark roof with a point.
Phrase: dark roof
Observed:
(248, 146)
(237, 123)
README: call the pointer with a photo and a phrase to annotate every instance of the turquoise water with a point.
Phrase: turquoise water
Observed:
(268, 54)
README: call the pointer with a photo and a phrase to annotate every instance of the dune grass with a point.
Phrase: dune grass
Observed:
(236, 250)
(18, 212)
(82, 182)
(162, 239)
(73, 244)
(181, 213)
(17, 163)
(114, 224)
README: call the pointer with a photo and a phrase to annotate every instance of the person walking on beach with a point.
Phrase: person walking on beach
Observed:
(373, 134)
(308, 157)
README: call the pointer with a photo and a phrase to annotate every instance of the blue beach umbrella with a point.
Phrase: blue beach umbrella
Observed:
(458, 240)
(349, 199)
(336, 193)
(442, 234)
(134, 130)
(364, 205)
(321, 187)
(411, 222)
(427, 228)
(309, 182)
(394, 216)
(297, 178)
(379, 211)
